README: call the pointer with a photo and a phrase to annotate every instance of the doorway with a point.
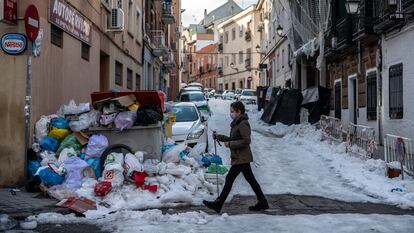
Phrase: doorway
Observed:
(104, 72)
(338, 99)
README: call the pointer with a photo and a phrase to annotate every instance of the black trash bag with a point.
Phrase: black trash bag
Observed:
(149, 115)
(32, 185)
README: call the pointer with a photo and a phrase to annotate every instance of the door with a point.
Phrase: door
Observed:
(104, 72)
(355, 102)
(337, 101)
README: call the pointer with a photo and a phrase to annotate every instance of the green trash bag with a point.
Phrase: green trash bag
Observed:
(220, 169)
(70, 142)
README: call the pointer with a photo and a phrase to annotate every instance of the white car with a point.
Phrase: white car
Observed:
(190, 126)
(248, 96)
(228, 95)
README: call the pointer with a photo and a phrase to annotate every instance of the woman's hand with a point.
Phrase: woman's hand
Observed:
(227, 144)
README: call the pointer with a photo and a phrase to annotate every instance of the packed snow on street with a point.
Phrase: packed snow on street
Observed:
(287, 160)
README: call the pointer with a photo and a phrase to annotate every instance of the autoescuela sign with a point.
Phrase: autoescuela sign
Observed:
(70, 20)
(8, 11)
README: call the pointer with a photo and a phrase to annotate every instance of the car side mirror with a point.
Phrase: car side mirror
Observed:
(203, 119)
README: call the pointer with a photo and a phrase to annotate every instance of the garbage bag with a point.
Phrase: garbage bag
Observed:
(147, 116)
(125, 120)
(114, 174)
(60, 123)
(59, 134)
(73, 109)
(74, 172)
(132, 165)
(96, 145)
(50, 178)
(173, 155)
(42, 127)
(65, 154)
(50, 144)
(150, 166)
(103, 188)
(85, 121)
(47, 157)
(70, 142)
(210, 158)
(32, 167)
(220, 169)
(95, 164)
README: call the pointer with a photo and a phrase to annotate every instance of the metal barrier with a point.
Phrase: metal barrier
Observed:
(361, 140)
(331, 128)
(400, 149)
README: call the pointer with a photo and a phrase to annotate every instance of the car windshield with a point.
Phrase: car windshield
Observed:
(185, 113)
(249, 93)
(192, 97)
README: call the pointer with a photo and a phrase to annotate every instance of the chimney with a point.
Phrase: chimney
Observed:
(205, 13)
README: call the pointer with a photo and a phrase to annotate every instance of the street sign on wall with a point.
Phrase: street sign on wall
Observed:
(31, 22)
(70, 20)
(13, 43)
(8, 11)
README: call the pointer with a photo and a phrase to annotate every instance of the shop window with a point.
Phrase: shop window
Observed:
(396, 91)
(129, 79)
(56, 36)
(372, 96)
(85, 51)
(118, 73)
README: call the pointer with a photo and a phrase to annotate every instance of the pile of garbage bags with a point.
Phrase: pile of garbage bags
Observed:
(66, 161)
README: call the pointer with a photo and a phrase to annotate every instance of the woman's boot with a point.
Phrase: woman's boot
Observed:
(214, 205)
(261, 205)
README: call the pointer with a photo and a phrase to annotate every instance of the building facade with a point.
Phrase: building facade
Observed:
(207, 66)
(238, 58)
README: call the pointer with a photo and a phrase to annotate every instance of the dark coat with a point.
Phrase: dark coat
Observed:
(239, 140)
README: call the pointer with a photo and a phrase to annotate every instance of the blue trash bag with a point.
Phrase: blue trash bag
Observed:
(211, 158)
(60, 123)
(50, 178)
(50, 144)
(32, 167)
(95, 164)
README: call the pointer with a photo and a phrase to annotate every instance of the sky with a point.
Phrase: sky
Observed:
(194, 9)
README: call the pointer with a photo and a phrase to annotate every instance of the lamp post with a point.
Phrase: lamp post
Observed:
(352, 6)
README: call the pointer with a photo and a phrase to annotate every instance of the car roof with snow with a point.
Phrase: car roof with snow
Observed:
(185, 104)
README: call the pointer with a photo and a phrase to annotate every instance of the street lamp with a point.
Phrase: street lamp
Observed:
(279, 30)
(258, 49)
(352, 6)
(232, 66)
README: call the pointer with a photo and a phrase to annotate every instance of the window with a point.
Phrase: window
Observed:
(129, 79)
(241, 30)
(138, 27)
(221, 39)
(240, 57)
(277, 61)
(85, 51)
(120, 3)
(226, 60)
(221, 62)
(372, 96)
(248, 57)
(130, 18)
(226, 87)
(233, 59)
(137, 82)
(233, 34)
(226, 37)
(396, 91)
(118, 73)
(233, 86)
(283, 58)
(56, 36)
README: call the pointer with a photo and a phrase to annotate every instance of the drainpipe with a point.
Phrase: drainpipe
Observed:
(379, 90)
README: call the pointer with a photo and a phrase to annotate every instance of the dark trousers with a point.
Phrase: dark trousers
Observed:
(248, 175)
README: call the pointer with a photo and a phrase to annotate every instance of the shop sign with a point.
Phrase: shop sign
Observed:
(13, 43)
(250, 78)
(70, 20)
(8, 11)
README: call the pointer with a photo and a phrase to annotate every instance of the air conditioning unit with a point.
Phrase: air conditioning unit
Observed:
(116, 20)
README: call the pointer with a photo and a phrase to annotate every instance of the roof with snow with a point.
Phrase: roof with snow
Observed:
(227, 9)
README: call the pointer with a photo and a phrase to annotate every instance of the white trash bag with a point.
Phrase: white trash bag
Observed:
(97, 145)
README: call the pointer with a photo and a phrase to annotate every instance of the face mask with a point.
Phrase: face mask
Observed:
(233, 115)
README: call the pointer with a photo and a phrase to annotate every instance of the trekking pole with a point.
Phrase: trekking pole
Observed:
(217, 180)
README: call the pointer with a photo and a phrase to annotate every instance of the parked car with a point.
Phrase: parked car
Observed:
(248, 96)
(237, 93)
(198, 98)
(228, 95)
(190, 126)
(218, 94)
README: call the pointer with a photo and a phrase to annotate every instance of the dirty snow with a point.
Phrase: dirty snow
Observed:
(292, 159)
(155, 221)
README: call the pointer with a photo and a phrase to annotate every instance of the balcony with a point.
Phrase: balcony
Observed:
(167, 13)
(168, 60)
(248, 35)
(389, 17)
(343, 32)
(158, 43)
(365, 27)
(248, 63)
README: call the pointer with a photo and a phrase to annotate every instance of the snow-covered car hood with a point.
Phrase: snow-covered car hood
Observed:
(248, 98)
(180, 128)
(200, 103)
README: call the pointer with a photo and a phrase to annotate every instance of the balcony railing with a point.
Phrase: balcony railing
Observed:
(158, 42)
(389, 16)
(168, 60)
(167, 12)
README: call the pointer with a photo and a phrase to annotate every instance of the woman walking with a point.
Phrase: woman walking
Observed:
(241, 156)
